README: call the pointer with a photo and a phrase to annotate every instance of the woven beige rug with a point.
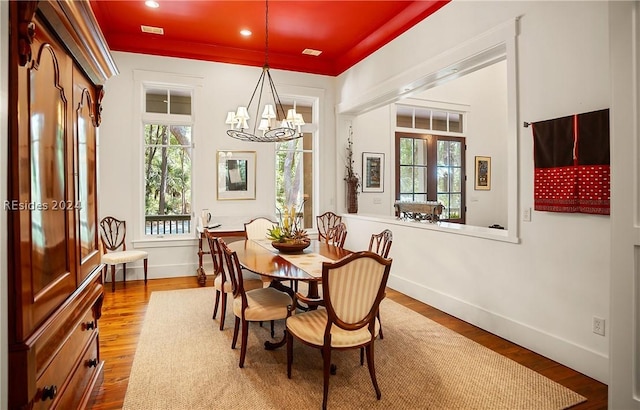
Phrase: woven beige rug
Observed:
(184, 362)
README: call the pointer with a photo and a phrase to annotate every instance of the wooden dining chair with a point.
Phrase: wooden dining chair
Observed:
(380, 243)
(113, 234)
(353, 289)
(326, 222)
(337, 235)
(257, 305)
(221, 282)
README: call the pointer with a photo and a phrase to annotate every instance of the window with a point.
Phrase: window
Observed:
(294, 172)
(167, 161)
(431, 167)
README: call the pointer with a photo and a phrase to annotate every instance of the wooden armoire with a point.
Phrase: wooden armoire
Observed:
(58, 62)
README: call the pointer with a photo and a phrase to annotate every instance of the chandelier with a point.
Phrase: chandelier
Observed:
(273, 125)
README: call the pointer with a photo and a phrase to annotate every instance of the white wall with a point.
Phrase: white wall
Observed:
(223, 88)
(543, 292)
(484, 94)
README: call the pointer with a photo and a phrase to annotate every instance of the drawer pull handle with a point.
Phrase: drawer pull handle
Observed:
(49, 392)
(89, 326)
(92, 362)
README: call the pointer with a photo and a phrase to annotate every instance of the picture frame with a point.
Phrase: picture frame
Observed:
(483, 173)
(372, 172)
(236, 175)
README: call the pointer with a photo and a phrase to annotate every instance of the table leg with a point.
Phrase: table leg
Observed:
(268, 345)
(202, 277)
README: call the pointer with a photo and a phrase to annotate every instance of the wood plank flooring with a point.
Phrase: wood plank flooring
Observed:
(123, 312)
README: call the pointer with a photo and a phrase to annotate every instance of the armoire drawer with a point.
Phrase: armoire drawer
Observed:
(66, 355)
(68, 365)
(76, 392)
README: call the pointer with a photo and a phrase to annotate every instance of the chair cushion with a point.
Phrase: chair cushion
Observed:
(309, 327)
(263, 304)
(114, 258)
(250, 283)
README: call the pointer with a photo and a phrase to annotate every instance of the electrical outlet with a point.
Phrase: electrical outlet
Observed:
(598, 326)
(526, 214)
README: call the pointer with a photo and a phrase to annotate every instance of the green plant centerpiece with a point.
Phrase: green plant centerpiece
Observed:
(288, 235)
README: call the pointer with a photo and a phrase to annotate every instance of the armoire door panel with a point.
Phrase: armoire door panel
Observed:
(86, 175)
(51, 257)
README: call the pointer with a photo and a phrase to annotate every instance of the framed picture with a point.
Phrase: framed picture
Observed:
(373, 172)
(236, 175)
(483, 173)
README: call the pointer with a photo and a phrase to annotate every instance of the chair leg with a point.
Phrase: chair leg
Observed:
(289, 353)
(113, 278)
(372, 370)
(124, 274)
(245, 338)
(236, 327)
(215, 304)
(380, 322)
(326, 367)
(223, 311)
(145, 270)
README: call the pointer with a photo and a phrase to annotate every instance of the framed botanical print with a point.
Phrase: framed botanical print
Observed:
(236, 175)
(372, 172)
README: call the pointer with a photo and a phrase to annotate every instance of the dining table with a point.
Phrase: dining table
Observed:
(260, 257)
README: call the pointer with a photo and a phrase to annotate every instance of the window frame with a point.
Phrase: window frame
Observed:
(152, 79)
(432, 167)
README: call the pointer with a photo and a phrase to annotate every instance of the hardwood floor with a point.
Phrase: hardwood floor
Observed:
(124, 310)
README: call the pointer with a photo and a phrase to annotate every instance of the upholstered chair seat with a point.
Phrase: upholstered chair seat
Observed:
(310, 328)
(117, 257)
(263, 304)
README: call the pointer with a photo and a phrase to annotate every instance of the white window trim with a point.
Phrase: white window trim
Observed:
(143, 80)
(315, 97)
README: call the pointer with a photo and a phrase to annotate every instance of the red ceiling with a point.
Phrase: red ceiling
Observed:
(345, 31)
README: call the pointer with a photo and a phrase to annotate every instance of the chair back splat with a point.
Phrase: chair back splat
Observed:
(326, 222)
(337, 235)
(114, 232)
(381, 243)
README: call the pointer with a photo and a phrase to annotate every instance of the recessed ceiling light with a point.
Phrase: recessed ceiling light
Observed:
(311, 52)
(245, 32)
(152, 4)
(152, 30)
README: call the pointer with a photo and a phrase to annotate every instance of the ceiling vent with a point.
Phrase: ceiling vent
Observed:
(311, 52)
(152, 30)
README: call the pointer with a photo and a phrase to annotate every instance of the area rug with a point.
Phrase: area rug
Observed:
(183, 361)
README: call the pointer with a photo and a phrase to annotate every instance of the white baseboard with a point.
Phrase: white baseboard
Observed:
(562, 351)
(135, 271)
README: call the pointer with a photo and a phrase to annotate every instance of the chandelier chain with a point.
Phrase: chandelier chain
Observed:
(266, 35)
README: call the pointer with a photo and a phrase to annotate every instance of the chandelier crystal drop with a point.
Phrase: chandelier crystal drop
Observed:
(273, 125)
